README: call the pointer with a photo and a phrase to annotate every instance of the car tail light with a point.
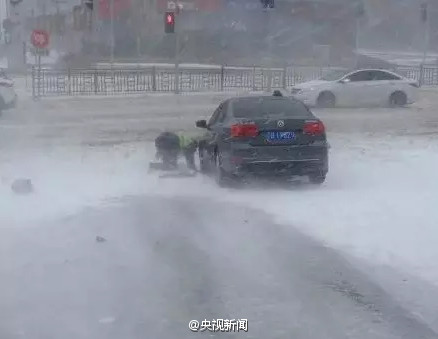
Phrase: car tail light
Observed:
(314, 128)
(244, 130)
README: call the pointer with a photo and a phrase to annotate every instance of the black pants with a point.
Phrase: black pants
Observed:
(189, 153)
(168, 149)
(167, 146)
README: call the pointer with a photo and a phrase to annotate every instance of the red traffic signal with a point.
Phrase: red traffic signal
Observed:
(169, 19)
(169, 22)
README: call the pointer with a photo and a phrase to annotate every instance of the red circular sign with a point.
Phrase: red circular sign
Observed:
(40, 38)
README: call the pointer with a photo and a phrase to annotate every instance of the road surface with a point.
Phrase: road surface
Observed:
(169, 260)
(160, 262)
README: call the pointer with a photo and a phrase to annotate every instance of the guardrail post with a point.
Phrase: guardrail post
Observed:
(254, 87)
(421, 80)
(39, 81)
(435, 76)
(154, 78)
(284, 77)
(222, 77)
(68, 82)
(33, 83)
(96, 83)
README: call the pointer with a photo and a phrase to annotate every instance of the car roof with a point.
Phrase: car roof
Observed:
(265, 96)
(373, 70)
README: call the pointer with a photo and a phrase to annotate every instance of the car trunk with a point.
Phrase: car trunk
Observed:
(278, 132)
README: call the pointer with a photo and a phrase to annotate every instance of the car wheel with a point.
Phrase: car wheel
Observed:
(221, 176)
(204, 161)
(398, 99)
(317, 178)
(326, 100)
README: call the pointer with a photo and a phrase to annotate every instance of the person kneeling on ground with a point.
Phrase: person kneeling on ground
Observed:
(168, 148)
(169, 145)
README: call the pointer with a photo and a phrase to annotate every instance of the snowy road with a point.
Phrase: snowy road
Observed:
(170, 254)
(167, 261)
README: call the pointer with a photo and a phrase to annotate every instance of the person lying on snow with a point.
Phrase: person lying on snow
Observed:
(169, 145)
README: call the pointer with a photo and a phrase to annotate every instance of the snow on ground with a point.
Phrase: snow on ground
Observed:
(405, 58)
(379, 202)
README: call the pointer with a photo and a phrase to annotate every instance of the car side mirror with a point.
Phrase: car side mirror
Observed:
(201, 123)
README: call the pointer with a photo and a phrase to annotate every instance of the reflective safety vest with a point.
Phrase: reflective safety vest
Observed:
(185, 141)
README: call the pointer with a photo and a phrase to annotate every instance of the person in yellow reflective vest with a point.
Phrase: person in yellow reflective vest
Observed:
(169, 145)
(188, 146)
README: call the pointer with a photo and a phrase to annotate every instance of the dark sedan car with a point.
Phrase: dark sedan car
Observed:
(264, 136)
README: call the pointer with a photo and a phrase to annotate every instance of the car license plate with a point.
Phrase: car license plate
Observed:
(279, 136)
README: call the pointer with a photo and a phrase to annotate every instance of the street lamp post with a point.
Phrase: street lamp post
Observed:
(359, 14)
(425, 20)
(268, 6)
(177, 46)
(270, 58)
(356, 60)
(112, 31)
(95, 20)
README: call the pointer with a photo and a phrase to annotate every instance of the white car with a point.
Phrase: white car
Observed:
(366, 87)
(8, 97)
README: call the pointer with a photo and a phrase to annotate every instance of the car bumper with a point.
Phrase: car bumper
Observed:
(302, 161)
(280, 168)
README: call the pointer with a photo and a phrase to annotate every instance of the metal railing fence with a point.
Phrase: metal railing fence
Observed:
(131, 80)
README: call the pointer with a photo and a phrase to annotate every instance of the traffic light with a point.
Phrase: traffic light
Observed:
(169, 22)
(89, 4)
(424, 12)
(267, 3)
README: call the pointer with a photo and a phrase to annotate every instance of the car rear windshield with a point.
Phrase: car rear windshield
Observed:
(267, 107)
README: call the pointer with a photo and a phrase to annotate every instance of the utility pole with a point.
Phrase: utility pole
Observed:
(137, 13)
(95, 23)
(359, 14)
(357, 42)
(44, 13)
(177, 48)
(170, 27)
(425, 21)
(270, 61)
(268, 6)
(112, 31)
